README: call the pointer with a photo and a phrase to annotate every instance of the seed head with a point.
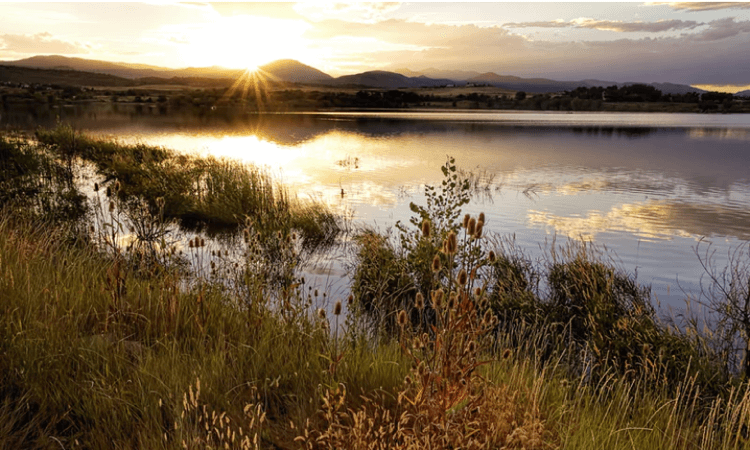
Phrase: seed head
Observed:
(491, 256)
(426, 228)
(402, 318)
(467, 217)
(321, 313)
(452, 243)
(506, 353)
(452, 300)
(111, 206)
(472, 227)
(422, 369)
(436, 265)
(337, 308)
(419, 301)
(477, 292)
(109, 191)
(478, 231)
(350, 300)
(481, 218)
(96, 187)
(437, 299)
(462, 277)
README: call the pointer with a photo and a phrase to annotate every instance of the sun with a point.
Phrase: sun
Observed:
(245, 42)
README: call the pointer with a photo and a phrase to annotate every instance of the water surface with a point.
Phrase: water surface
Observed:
(649, 187)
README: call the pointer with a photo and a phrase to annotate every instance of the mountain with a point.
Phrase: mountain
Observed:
(456, 75)
(544, 85)
(388, 80)
(124, 70)
(295, 72)
(62, 77)
(745, 93)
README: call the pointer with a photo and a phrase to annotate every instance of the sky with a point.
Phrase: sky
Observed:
(701, 44)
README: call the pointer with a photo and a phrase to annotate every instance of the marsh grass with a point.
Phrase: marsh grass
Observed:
(219, 193)
(103, 345)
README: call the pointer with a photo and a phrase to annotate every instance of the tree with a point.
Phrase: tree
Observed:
(520, 95)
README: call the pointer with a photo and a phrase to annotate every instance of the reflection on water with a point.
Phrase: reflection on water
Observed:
(648, 186)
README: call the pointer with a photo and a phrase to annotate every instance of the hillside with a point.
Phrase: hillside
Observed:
(124, 70)
(60, 77)
(388, 80)
(295, 72)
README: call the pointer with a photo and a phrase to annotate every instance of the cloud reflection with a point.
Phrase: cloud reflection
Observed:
(652, 220)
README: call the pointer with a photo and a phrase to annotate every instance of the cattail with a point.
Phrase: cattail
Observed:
(452, 243)
(467, 217)
(350, 300)
(316, 292)
(321, 313)
(462, 277)
(96, 187)
(190, 244)
(426, 228)
(203, 242)
(481, 218)
(491, 256)
(111, 206)
(337, 308)
(109, 191)
(402, 318)
(419, 301)
(436, 264)
(472, 227)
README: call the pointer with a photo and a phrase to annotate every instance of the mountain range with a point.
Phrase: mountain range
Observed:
(292, 71)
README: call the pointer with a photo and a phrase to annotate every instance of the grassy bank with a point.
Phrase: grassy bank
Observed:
(449, 342)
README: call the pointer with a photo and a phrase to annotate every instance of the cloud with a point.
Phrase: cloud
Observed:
(677, 59)
(351, 12)
(703, 6)
(41, 43)
(612, 25)
(721, 29)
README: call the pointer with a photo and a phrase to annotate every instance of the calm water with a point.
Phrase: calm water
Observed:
(647, 186)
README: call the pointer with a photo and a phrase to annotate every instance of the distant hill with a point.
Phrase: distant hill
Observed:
(60, 77)
(745, 93)
(388, 80)
(124, 70)
(295, 72)
(455, 75)
(292, 71)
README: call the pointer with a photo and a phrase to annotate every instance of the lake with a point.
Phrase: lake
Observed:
(649, 187)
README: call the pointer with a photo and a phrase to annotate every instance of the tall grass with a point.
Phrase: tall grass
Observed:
(98, 350)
